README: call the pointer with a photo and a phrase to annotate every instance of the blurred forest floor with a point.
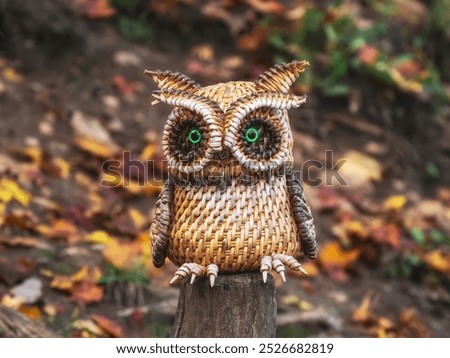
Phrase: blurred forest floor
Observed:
(75, 254)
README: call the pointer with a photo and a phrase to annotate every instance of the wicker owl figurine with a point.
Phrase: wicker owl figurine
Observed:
(232, 202)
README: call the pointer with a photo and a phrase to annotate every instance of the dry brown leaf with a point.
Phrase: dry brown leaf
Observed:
(108, 325)
(11, 75)
(254, 39)
(293, 300)
(411, 325)
(204, 52)
(438, 261)
(332, 255)
(61, 168)
(62, 229)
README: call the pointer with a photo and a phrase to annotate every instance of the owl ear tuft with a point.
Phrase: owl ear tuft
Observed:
(280, 77)
(167, 80)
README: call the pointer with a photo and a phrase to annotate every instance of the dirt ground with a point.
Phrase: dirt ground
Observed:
(69, 72)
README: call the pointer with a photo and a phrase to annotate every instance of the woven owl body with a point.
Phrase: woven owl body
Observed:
(233, 227)
(232, 202)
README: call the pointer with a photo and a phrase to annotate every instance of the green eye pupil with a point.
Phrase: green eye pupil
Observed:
(195, 136)
(251, 135)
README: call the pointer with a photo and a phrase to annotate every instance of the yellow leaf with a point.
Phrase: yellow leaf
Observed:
(139, 220)
(331, 255)
(12, 75)
(95, 148)
(395, 202)
(438, 261)
(148, 152)
(9, 190)
(12, 302)
(293, 300)
(118, 254)
(34, 153)
(356, 228)
(364, 314)
(99, 237)
(62, 166)
(87, 325)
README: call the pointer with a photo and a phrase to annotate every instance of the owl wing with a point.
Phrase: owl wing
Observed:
(162, 225)
(302, 215)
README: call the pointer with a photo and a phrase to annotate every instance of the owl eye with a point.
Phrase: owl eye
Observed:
(251, 135)
(195, 136)
(260, 139)
(186, 140)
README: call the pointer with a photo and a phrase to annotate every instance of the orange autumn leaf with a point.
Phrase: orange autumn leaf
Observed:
(438, 261)
(94, 9)
(363, 314)
(108, 325)
(62, 229)
(67, 283)
(332, 255)
(367, 54)
(87, 292)
(32, 312)
(387, 234)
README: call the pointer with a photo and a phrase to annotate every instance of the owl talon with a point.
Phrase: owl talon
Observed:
(212, 272)
(189, 269)
(266, 266)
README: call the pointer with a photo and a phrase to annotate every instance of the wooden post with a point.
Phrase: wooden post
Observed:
(239, 305)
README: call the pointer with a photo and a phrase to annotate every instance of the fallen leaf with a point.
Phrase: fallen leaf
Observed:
(204, 52)
(11, 301)
(30, 290)
(88, 325)
(124, 86)
(25, 241)
(87, 292)
(293, 300)
(11, 75)
(367, 55)
(395, 202)
(94, 9)
(10, 190)
(62, 229)
(120, 254)
(108, 325)
(99, 237)
(32, 312)
(61, 168)
(253, 40)
(359, 168)
(438, 261)
(411, 325)
(386, 234)
(328, 199)
(332, 255)
(139, 220)
(98, 149)
(363, 314)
